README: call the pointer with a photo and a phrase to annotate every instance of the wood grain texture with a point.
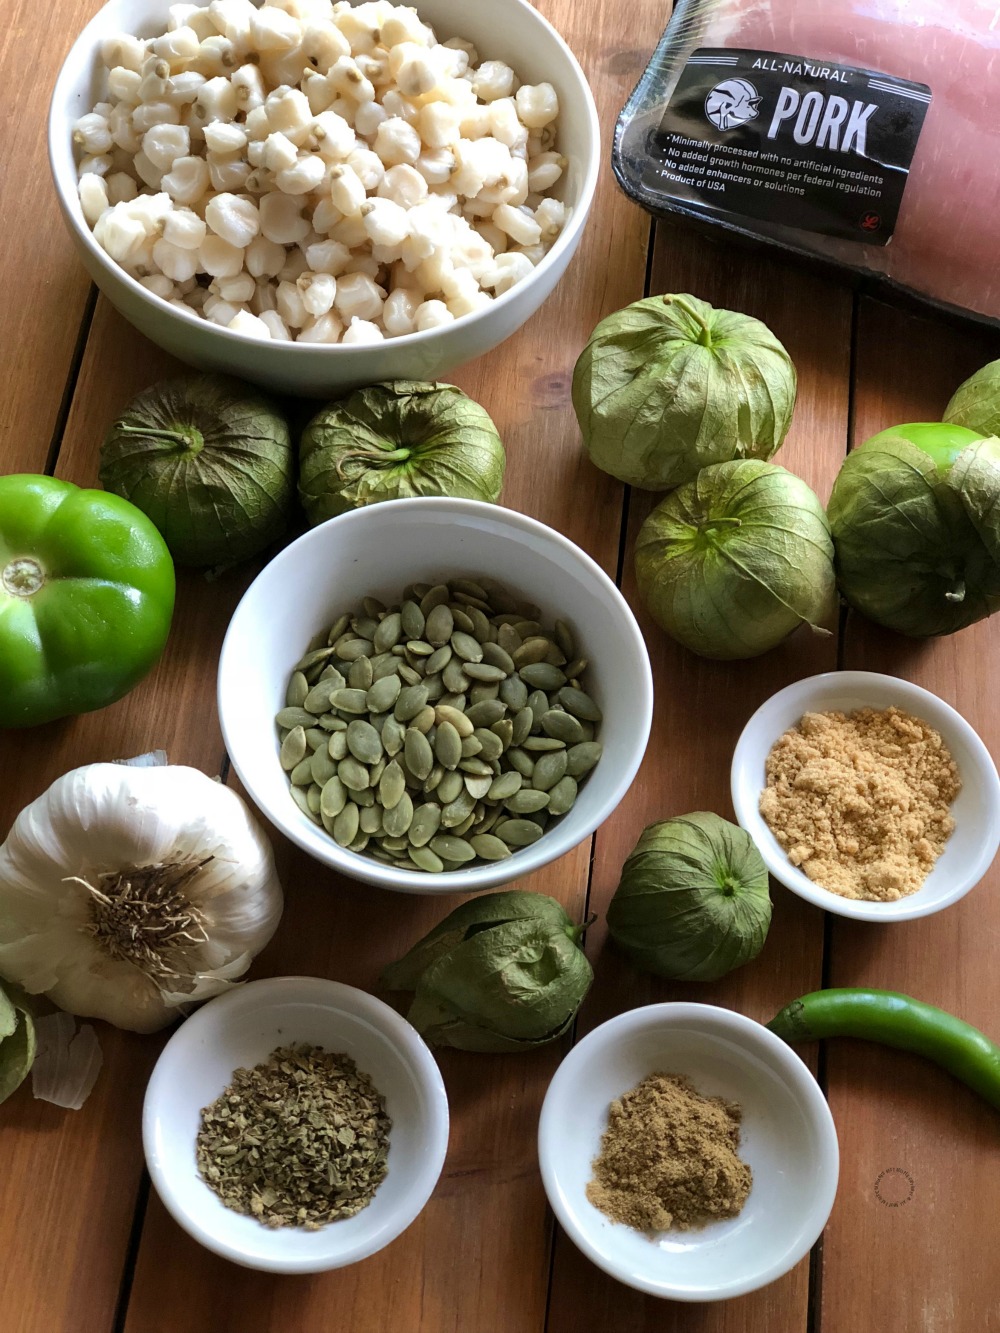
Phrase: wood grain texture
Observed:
(488, 1216)
(43, 285)
(700, 709)
(920, 1185)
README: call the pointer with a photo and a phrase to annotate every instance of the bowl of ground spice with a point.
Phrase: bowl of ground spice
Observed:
(295, 1125)
(688, 1152)
(867, 795)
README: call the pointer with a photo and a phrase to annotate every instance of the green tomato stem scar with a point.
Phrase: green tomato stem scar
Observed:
(188, 439)
(22, 576)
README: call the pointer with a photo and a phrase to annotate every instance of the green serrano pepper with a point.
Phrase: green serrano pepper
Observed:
(896, 1020)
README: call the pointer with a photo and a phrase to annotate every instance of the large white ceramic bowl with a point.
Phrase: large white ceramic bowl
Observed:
(242, 1028)
(787, 1138)
(377, 551)
(508, 30)
(969, 851)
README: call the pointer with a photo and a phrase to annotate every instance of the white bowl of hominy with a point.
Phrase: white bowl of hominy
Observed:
(389, 314)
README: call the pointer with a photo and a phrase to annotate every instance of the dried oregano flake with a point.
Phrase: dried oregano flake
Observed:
(299, 1140)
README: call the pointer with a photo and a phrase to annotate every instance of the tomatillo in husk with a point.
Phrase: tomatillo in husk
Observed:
(503, 972)
(915, 517)
(693, 901)
(86, 598)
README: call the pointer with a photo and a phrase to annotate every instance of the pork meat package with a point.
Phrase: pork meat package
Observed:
(863, 132)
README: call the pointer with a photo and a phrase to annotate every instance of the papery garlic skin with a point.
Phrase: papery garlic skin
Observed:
(108, 818)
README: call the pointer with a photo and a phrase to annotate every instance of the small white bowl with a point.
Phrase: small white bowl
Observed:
(969, 851)
(377, 551)
(508, 30)
(787, 1138)
(242, 1028)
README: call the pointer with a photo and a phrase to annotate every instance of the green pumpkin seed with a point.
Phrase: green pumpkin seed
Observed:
(364, 626)
(451, 848)
(508, 638)
(322, 766)
(549, 769)
(449, 787)
(315, 738)
(564, 638)
(391, 785)
(505, 785)
(440, 626)
(436, 596)
(517, 832)
(470, 587)
(490, 744)
(298, 688)
(418, 648)
(364, 796)
(514, 693)
(490, 817)
(504, 732)
(463, 621)
(478, 787)
(460, 830)
(583, 757)
(478, 767)
(529, 627)
(424, 859)
(337, 746)
(520, 761)
(527, 801)
(531, 651)
(382, 694)
(346, 824)
(364, 742)
(333, 797)
(447, 745)
(453, 701)
(418, 753)
(538, 702)
(355, 648)
(461, 723)
(407, 674)
(312, 799)
(376, 771)
(353, 774)
(349, 701)
(337, 628)
(454, 678)
(562, 796)
(486, 713)
(466, 647)
(543, 744)
(424, 720)
(301, 799)
(359, 844)
(425, 823)
(458, 810)
(473, 603)
(293, 749)
(389, 632)
(314, 661)
(330, 722)
(295, 717)
(371, 820)
(578, 703)
(301, 774)
(488, 847)
(472, 745)
(522, 722)
(484, 672)
(434, 687)
(393, 733)
(562, 726)
(332, 677)
(410, 702)
(494, 655)
(542, 676)
(576, 668)
(439, 659)
(432, 779)
(411, 620)
(398, 818)
(387, 666)
(361, 674)
(483, 691)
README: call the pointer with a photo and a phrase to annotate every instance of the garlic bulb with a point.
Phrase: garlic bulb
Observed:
(125, 892)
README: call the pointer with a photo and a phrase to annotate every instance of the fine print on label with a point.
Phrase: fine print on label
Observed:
(789, 141)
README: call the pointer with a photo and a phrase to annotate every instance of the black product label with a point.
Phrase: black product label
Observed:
(801, 143)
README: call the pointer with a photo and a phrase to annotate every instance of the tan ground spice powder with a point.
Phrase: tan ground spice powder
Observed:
(860, 801)
(668, 1158)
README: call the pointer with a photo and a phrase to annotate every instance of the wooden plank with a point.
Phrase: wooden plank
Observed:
(44, 286)
(482, 1244)
(919, 1189)
(701, 707)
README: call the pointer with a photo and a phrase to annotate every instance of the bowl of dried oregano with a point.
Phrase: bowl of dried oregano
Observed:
(295, 1125)
(867, 795)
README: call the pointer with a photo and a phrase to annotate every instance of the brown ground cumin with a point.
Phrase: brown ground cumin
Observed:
(860, 801)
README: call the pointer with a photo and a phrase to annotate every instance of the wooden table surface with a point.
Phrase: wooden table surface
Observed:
(85, 1247)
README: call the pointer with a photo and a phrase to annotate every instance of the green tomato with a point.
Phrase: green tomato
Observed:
(86, 598)
(940, 440)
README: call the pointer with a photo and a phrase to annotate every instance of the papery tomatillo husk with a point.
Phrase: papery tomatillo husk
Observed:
(396, 441)
(17, 1039)
(503, 972)
(735, 560)
(976, 401)
(670, 385)
(918, 541)
(693, 900)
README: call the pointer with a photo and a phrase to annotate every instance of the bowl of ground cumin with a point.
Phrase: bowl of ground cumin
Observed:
(688, 1152)
(867, 795)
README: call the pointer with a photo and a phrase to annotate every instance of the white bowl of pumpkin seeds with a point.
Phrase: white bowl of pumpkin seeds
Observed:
(435, 695)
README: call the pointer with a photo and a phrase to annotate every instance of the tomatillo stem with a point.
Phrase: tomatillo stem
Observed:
(188, 441)
(897, 1020)
(22, 576)
(705, 336)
